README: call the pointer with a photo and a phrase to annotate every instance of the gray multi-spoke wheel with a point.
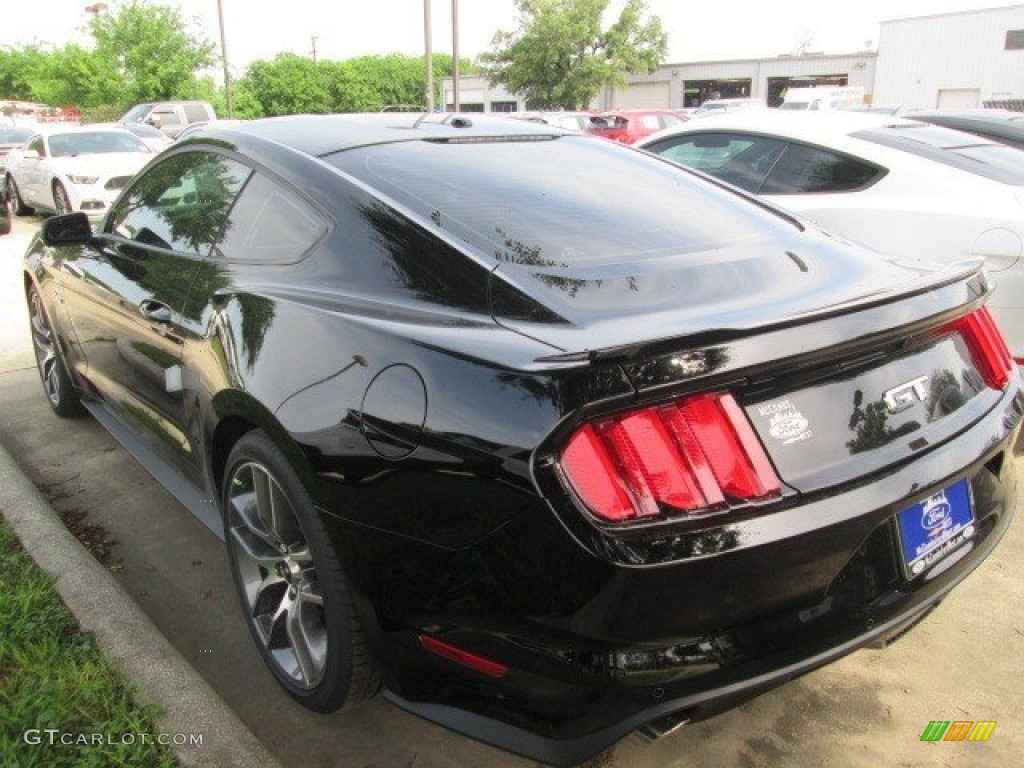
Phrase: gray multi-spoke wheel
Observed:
(289, 580)
(61, 201)
(56, 383)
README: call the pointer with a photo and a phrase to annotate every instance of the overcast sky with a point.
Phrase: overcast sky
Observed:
(696, 30)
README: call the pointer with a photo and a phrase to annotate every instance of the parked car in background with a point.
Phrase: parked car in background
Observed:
(628, 126)
(551, 437)
(205, 125)
(901, 187)
(584, 122)
(715, 106)
(152, 137)
(993, 124)
(823, 98)
(74, 169)
(6, 212)
(170, 117)
(11, 138)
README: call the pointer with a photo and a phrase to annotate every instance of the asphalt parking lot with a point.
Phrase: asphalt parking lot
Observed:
(963, 663)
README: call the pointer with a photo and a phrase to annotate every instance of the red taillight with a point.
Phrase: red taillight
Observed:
(693, 455)
(465, 658)
(983, 339)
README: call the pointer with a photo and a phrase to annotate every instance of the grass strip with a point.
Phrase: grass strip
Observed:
(52, 676)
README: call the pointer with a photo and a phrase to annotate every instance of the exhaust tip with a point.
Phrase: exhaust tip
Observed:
(664, 725)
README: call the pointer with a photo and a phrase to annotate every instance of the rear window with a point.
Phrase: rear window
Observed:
(956, 149)
(558, 202)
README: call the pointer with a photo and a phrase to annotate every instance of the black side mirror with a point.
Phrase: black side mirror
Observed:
(69, 229)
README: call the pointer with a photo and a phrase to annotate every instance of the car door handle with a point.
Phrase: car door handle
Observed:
(156, 311)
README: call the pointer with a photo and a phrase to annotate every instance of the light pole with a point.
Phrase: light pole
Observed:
(429, 56)
(224, 58)
(455, 55)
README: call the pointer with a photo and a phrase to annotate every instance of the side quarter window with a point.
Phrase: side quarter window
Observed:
(270, 225)
(181, 203)
(809, 170)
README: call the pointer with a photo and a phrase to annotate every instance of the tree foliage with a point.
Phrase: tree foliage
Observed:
(290, 84)
(140, 52)
(562, 54)
(152, 48)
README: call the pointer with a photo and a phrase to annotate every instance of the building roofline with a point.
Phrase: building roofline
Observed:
(953, 13)
(779, 57)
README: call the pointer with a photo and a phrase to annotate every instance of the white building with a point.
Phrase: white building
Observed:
(952, 60)
(688, 84)
(962, 59)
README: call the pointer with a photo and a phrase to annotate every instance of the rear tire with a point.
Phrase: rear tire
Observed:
(19, 205)
(60, 392)
(5, 218)
(290, 583)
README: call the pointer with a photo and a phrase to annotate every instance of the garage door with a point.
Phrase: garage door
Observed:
(643, 96)
(959, 98)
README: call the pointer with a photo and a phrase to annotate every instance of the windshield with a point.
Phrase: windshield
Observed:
(137, 114)
(93, 143)
(14, 135)
(561, 202)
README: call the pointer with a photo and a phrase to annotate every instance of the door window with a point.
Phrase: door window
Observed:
(740, 159)
(181, 203)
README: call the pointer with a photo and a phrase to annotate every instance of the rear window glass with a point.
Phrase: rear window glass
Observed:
(953, 148)
(558, 202)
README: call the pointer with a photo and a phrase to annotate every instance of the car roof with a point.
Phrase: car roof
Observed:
(829, 126)
(320, 135)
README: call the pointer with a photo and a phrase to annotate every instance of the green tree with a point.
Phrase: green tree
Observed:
(16, 68)
(152, 48)
(561, 54)
(74, 76)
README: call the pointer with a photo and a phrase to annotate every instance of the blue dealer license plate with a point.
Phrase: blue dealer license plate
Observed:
(931, 529)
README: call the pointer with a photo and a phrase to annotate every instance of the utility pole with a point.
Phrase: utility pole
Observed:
(224, 57)
(455, 55)
(312, 41)
(429, 56)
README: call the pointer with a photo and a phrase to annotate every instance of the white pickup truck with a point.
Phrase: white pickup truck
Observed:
(827, 97)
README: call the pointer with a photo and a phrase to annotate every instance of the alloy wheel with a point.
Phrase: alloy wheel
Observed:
(281, 592)
(46, 354)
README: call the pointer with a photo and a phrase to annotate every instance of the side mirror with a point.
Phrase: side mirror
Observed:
(70, 229)
(30, 154)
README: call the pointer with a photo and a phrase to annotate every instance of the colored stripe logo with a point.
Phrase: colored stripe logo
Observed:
(958, 730)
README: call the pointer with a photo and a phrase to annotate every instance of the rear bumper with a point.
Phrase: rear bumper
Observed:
(636, 652)
(688, 706)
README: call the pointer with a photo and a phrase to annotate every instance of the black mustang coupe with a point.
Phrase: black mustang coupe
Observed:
(548, 438)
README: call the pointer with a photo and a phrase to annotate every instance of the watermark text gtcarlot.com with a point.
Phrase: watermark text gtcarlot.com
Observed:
(54, 737)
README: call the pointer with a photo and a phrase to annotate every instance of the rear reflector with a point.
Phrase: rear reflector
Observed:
(695, 455)
(986, 345)
(463, 657)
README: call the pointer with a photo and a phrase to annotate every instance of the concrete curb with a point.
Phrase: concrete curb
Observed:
(126, 635)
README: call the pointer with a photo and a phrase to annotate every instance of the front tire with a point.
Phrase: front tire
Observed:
(296, 599)
(19, 205)
(61, 201)
(60, 392)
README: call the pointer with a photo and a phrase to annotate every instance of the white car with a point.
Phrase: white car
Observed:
(904, 188)
(74, 169)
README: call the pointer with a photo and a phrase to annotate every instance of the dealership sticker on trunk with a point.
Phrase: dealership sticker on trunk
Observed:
(785, 422)
(931, 529)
